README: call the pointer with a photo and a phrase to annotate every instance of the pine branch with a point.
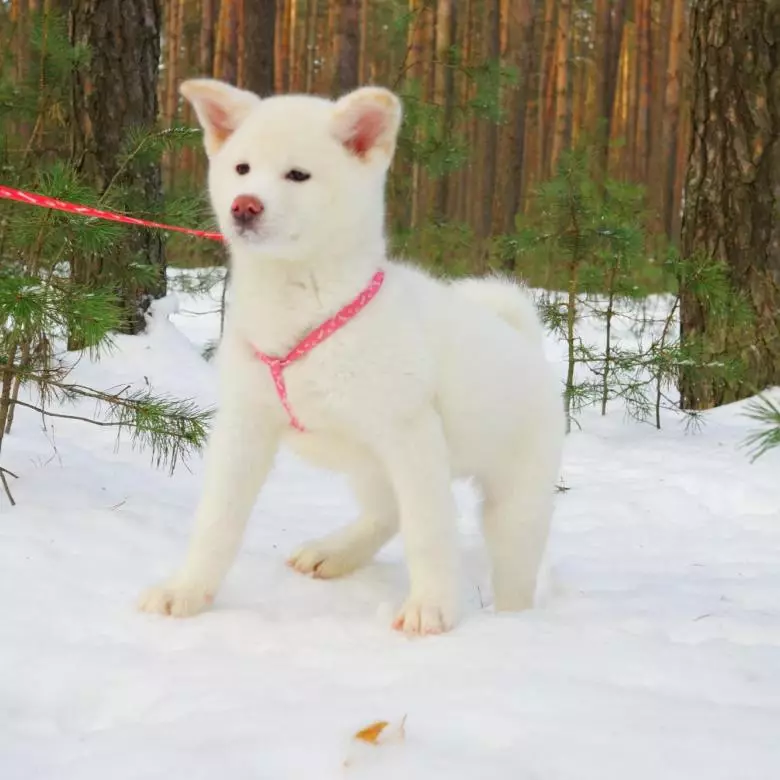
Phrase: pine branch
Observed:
(171, 429)
(3, 472)
(766, 412)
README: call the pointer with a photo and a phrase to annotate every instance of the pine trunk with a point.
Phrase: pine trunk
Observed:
(671, 124)
(546, 99)
(241, 42)
(311, 44)
(117, 93)
(416, 70)
(610, 15)
(444, 91)
(364, 32)
(258, 32)
(562, 45)
(207, 18)
(463, 177)
(174, 35)
(348, 47)
(221, 39)
(490, 128)
(732, 195)
(642, 74)
(519, 47)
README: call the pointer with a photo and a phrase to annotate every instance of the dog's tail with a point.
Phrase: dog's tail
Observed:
(505, 298)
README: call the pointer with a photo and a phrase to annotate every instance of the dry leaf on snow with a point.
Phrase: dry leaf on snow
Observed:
(380, 732)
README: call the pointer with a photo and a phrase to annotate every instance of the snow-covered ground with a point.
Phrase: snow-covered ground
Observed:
(654, 651)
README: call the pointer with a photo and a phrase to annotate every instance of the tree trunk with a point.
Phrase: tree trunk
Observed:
(733, 194)
(117, 93)
(444, 90)
(546, 99)
(175, 20)
(348, 46)
(671, 123)
(311, 44)
(364, 33)
(642, 81)
(259, 29)
(222, 42)
(520, 40)
(463, 179)
(490, 128)
(207, 18)
(610, 16)
(415, 47)
(241, 43)
(631, 95)
(562, 45)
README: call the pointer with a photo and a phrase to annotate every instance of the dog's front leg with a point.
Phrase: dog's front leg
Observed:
(239, 455)
(417, 460)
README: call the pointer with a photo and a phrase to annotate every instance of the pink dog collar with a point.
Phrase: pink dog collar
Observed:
(276, 365)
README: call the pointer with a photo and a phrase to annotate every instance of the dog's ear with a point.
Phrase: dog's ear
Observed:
(220, 107)
(366, 122)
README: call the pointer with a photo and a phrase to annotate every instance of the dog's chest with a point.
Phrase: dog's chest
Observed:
(373, 365)
(306, 382)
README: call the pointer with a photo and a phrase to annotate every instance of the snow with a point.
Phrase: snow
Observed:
(654, 651)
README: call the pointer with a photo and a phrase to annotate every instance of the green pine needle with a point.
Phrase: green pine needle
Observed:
(765, 411)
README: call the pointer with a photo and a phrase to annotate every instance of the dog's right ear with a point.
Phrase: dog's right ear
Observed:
(220, 107)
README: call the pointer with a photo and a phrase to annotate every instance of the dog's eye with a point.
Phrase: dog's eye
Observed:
(242, 169)
(296, 175)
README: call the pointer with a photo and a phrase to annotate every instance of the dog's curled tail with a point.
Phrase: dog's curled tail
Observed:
(507, 299)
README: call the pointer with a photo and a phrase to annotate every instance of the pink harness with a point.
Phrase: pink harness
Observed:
(276, 365)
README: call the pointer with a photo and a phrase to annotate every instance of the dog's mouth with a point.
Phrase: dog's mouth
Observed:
(252, 235)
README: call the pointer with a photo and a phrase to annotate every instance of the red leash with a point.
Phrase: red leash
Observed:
(33, 199)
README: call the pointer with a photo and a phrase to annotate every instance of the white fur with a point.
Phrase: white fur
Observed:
(431, 381)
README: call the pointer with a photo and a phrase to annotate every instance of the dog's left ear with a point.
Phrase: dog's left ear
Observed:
(366, 122)
(220, 107)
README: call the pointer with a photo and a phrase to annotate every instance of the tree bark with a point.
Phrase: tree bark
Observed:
(222, 50)
(364, 33)
(520, 39)
(642, 74)
(175, 25)
(671, 122)
(258, 32)
(733, 194)
(546, 99)
(348, 47)
(490, 128)
(206, 58)
(311, 44)
(444, 90)
(610, 16)
(117, 94)
(562, 46)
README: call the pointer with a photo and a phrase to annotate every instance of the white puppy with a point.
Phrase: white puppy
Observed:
(419, 381)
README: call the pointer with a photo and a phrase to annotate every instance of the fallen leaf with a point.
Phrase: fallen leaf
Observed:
(380, 733)
(371, 733)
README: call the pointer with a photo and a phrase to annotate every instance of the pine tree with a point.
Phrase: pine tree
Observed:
(114, 95)
(587, 235)
(730, 219)
(43, 302)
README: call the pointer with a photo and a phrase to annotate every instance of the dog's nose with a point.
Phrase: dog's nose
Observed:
(246, 209)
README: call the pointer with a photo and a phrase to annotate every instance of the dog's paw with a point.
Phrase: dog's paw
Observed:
(420, 617)
(175, 600)
(326, 561)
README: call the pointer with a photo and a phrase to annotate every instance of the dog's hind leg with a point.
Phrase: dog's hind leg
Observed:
(516, 521)
(351, 547)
